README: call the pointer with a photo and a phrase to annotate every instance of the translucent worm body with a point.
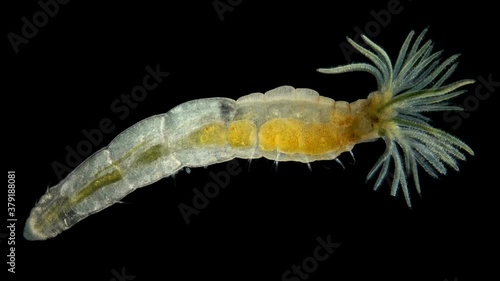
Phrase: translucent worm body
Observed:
(284, 124)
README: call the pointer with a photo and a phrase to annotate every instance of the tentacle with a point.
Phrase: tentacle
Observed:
(408, 89)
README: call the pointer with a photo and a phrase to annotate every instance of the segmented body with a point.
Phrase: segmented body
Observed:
(284, 124)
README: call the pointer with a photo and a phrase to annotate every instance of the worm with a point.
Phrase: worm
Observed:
(284, 124)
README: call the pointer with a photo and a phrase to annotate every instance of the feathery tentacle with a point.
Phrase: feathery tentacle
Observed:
(406, 90)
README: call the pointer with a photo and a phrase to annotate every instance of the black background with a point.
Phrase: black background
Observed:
(66, 77)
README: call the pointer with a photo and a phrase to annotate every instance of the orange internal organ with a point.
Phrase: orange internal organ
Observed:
(210, 134)
(242, 134)
(290, 135)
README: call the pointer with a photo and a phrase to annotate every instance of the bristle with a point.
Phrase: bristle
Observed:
(414, 85)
